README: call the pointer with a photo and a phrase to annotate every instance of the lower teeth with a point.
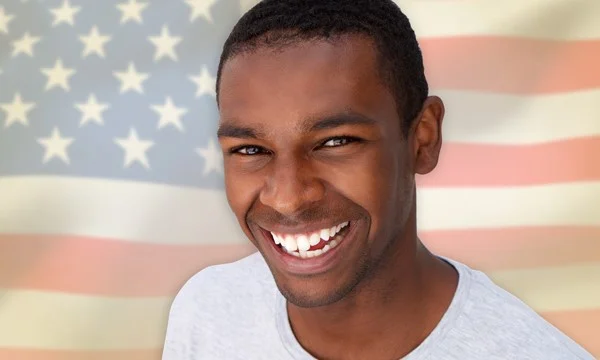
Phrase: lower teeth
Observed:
(309, 254)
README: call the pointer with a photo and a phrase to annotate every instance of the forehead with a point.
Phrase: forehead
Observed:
(309, 79)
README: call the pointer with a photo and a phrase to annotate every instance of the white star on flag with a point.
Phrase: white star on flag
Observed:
(165, 44)
(58, 76)
(169, 114)
(135, 149)
(131, 10)
(91, 111)
(65, 14)
(24, 45)
(201, 8)
(205, 83)
(94, 42)
(131, 79)
(5, 19)
(17, 111)
(213, 158)
(55, 146)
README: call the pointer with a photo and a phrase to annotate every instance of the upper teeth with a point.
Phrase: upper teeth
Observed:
(303, 242)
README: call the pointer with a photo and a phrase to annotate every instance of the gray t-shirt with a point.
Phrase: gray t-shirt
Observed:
(235, 311)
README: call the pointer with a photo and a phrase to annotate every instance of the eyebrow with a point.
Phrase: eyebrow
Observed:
(337, 120)
(235, 131)
(310, 125)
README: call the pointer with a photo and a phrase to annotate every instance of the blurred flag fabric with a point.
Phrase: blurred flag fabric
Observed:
(111, 191)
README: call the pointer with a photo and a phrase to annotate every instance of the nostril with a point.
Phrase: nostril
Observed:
(291, 188)
(285, 199)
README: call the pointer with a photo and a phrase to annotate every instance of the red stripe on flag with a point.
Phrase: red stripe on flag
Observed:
(33, 354)
(104, 266)
(511, 64)
(516, 248)
(117, 268)
(474, 165)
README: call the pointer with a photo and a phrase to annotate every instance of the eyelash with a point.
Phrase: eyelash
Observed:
(349, 139)
(236, 150)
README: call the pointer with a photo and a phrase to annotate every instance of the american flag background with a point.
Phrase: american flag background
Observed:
(111, 183)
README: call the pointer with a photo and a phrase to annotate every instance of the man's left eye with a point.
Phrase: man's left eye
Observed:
(338, 141)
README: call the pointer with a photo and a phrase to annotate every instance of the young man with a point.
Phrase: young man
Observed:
(325, 120)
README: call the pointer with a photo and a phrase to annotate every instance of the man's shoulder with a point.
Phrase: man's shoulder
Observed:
(508, 324)
(222, 294)
(217, 303)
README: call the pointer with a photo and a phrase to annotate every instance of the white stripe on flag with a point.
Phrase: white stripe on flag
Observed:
(123, 210)
(484, 118)
(574, 204)
(553, 19)
(554, 288)
(45, 320)
(168, 214)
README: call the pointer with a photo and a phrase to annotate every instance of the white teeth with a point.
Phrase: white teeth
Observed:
(314, 239)
(276, 238)
(308, 254)
(303, 244)
(290, 243)
(299, 245)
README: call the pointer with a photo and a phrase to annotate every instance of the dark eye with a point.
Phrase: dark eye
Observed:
(339, 141)
(248, 150)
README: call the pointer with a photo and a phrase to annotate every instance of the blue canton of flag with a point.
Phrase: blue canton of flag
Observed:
(112, 89)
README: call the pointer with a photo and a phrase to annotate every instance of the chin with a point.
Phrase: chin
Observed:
(322, 290)
(323, 279)
(311, 296)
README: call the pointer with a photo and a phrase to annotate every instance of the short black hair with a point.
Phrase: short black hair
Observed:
(277, 23)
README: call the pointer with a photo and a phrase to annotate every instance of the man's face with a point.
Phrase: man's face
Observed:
(317, 170)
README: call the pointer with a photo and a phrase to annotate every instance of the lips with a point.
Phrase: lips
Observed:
(289, 248)
(310, 244)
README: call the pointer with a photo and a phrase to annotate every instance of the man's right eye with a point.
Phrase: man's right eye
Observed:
(247, 150)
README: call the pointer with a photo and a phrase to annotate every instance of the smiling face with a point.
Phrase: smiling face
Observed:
(317, 170)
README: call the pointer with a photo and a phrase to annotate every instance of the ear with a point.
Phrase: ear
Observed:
(427, 135)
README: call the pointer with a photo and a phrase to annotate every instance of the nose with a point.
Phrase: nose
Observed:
(291, 187)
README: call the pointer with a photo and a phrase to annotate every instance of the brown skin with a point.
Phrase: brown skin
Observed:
(387, 292)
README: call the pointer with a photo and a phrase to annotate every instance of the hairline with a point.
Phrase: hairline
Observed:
(290, 38)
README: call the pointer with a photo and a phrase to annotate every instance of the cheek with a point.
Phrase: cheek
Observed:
(384, 200)
(241, 190)
(371, 182)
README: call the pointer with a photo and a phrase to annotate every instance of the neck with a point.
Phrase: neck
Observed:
(388, 315)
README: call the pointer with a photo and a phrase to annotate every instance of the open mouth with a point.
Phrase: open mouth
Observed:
(313, 244)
